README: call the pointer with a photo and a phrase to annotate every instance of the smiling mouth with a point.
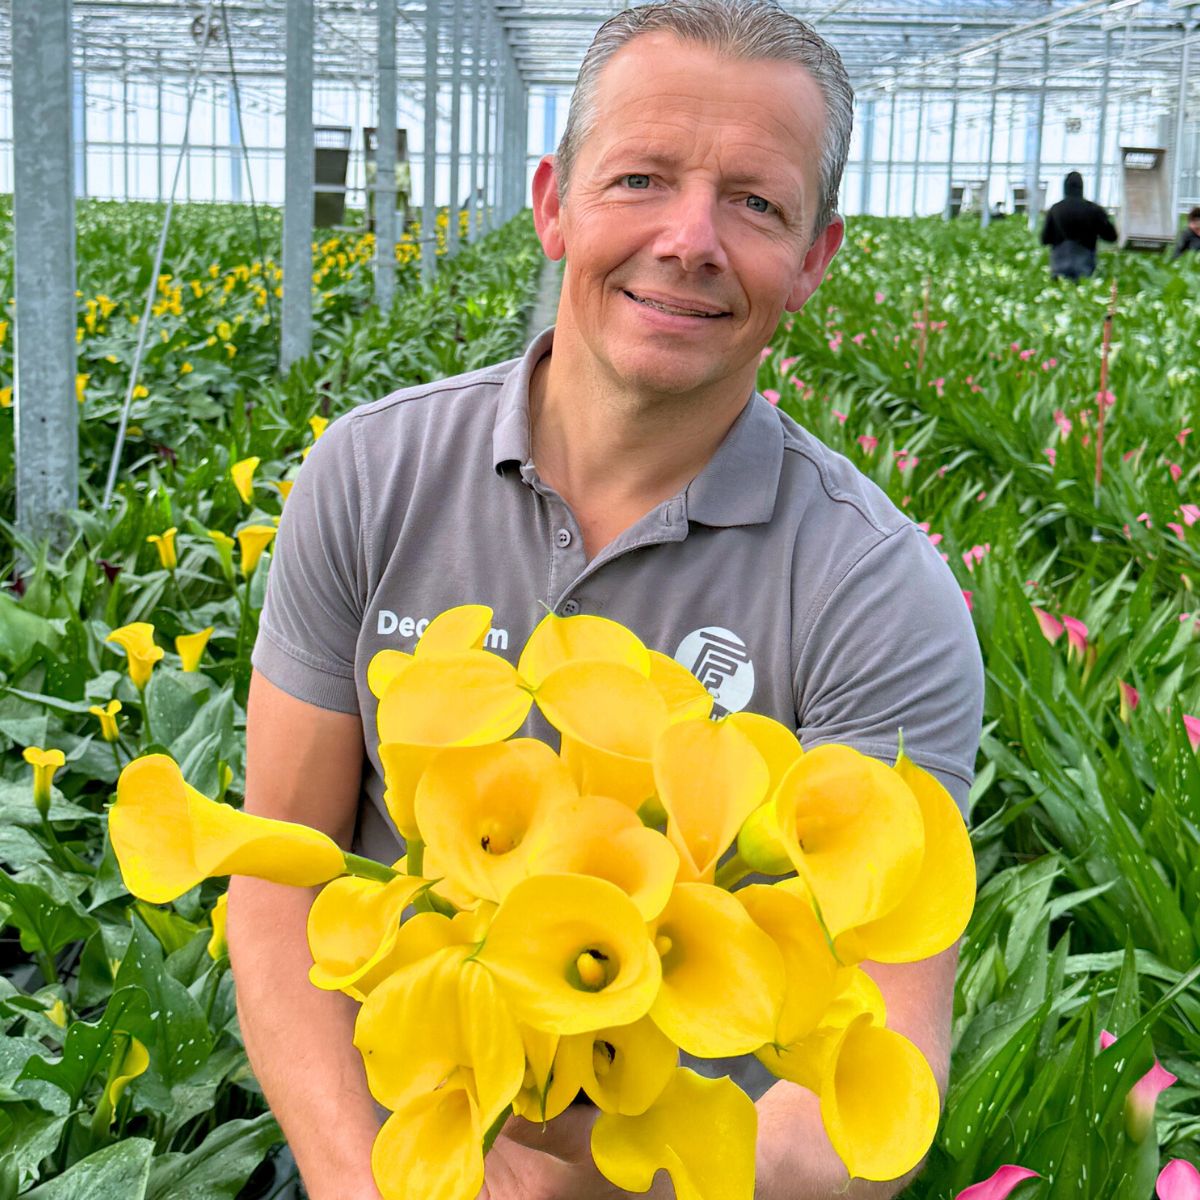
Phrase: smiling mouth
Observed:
(674, 310)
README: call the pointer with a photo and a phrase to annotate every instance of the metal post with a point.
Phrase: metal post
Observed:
(385, 160)
(1180, 119)
(868, 152)
(549, 120)
(1033, 190)
(473, 214)
(488, 92)
(891, 156)
(953, 141)
(985, 216)
(917, 157)
(429, 154)
(46, 435)
(79, 131)
(235, 147)
(124, 126)
(1102, 128)
(158, 122)
(298, 185)
(452, 233)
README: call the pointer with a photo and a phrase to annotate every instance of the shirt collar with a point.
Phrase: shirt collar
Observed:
(738, 485)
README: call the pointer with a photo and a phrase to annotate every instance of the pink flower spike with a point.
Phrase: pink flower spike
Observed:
(1176, 529)
(868, 443)
(1190, 514)
(1106, 1038)
(1178, 1180)
(786, 364)
(1192, 725)
(1077, 633)
(1026, 355)
(859, 338)
(999, 1185)
(1145, 519)
(1176, 471)
(770, 395)
(1105, 400)
(1181, 437)
(967, 596)
(879, 297)
(935, 539)
(765, 353)
(1015, 347)
(1052, 628)
(1129, 701)
(1052, 455)
(841, 417)
(1064, 424)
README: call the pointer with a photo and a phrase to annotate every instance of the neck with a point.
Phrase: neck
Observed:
(613, 455)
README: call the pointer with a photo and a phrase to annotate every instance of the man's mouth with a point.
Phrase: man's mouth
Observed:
(676, 310)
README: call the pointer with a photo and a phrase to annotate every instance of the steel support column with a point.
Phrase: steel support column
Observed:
(891, 156)
(868, 153)
(452, 234)
(296, 340)
(1102, 128)
(985, 215)
(1033, 191)
(236, 156)
(79, 130)
(488, 131)
(473, 213)
(953, 141)
(385, 158)
(46, 433)
(158, 124)
(429, 152)
(917, 154)
(1181, 104)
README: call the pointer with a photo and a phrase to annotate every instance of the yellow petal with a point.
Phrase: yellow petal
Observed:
(353, 924)
(557, 640)
(383, 668)
(431, 1148)
(420, 937)
(879, 1102)
(546, 924)
(594, 835)
(778, 744)
(252, 541)
(478, 808)
(702, 1131)
(190, 646)
(403, 767)
(623, 1069)
(687, 699)
(461, 628)
(242, 474)
(935, 911)
(134, 1062)
(854, 831)
(722, 977)
(168, 837)
(141, 653)
(470, 698)
(629, 780)
(551, 1082)
(217, 945)
(710, 778)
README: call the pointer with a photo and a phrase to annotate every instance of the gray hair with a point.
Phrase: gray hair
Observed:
(738, 29)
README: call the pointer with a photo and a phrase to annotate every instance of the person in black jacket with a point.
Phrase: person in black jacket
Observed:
(1072, 227)
(1189, 238)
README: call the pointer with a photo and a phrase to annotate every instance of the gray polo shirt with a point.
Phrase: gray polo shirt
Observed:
(780, 575)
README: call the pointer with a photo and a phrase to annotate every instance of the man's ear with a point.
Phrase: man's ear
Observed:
(816, 263)
(547, 209)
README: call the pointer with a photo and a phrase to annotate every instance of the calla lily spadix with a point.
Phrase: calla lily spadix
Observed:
(557, 640)
(723, 979)
(701, 1131)
(168, 837)
(571, 954)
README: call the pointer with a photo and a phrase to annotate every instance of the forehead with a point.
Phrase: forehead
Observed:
(675, 97)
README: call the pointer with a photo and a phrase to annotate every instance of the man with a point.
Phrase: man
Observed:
(1189, 236)
(626, 467)
(1071, 230)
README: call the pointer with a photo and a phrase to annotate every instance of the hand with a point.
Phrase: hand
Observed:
(554, 1162)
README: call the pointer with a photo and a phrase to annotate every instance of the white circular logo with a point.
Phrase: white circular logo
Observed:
(721, 661)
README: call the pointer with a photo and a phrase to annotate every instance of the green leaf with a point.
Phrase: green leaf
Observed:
(118, 1172)
(219, 1167)
(46, 923)
(171, 704)
(20, 629)
(16, 806)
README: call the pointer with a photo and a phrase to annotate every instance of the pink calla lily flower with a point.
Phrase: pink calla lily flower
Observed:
(1129, 699)
(1077, 634)
(1051, 627)
(998, 1186)
(1178, 1180)
(1143, 1096)
(1192, 725)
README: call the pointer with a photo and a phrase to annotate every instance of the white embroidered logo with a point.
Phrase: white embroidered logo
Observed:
(721, 661)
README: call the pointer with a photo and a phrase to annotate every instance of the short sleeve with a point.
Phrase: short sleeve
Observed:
(312, 617)
(894, 648)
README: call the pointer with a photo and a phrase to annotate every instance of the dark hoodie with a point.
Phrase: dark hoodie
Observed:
(1074, 219)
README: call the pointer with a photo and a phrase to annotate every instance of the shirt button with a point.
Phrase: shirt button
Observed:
(570, 607)
(563, 537)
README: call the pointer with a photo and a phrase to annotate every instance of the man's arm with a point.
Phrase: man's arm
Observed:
(795, 1160)
(304, 764)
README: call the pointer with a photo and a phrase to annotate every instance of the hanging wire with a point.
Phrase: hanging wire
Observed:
(144, 324)
(237, 102)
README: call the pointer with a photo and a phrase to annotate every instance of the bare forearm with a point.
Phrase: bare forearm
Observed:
(299, 1041)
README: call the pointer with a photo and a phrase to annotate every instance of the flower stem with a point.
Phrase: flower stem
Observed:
(493, 1133)
(732, 872)
(147, 732)
(368, 868)
(116, 756)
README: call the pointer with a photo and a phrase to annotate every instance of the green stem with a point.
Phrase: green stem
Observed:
(46, 963)
(116, 756)
(147, 732)
(179, 592)
(416, 856)
(243, 598)
(368, 868)
(493, 1133)
(57, 853)
(732, 872)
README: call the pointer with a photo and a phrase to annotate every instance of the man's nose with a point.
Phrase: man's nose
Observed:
(691, 232)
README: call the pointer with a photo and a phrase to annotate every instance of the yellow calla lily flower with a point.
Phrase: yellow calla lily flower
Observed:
(710, 778)
(45, 764)
(623, 1069)
(571, 954)
(284, 487)
(777, 744)
(218, 947)
(420, 937)
(164, 543)
(558, 640)
(936, 908)
(461, 628)
(107, 716)
(723, 978)
(168, 837)
(190, 646)
(353, 924)
(853, 830)
(702, 1131)
(242, 474)
(686, 698)
(252, 541)
(879, 1102)
(479, 811)
(224, 544)
(137, 640)
(551, 1082)
(318, 425)
(134, 1061)
(384, 666)
(594, 835)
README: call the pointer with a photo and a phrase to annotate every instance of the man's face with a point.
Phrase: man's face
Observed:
(688, 224)
(1194, 225)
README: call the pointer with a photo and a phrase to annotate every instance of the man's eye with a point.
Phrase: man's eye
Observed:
(637, 181)
(758, 204)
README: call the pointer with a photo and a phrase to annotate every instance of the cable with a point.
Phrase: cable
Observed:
(144, 325)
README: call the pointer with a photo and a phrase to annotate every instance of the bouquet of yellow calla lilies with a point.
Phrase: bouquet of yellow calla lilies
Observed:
(570, 921)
